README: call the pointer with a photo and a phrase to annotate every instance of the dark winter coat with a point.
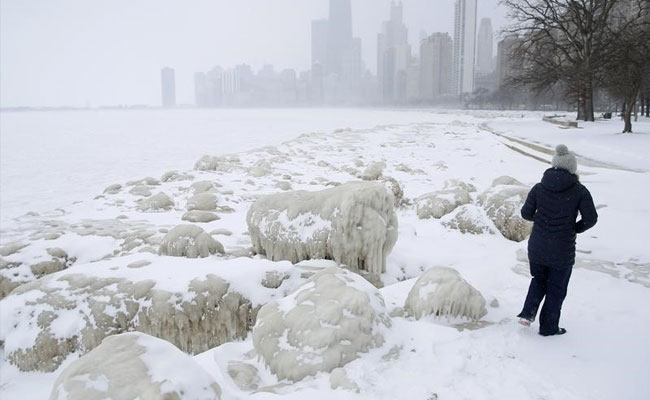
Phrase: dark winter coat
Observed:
(553, 206)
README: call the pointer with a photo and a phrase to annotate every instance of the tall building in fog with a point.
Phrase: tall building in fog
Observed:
(319, 33)
(168, 86)
(505, 63)
(436, 60)
(484, 47)
(464, 45)
(393, 56)
(339, 39)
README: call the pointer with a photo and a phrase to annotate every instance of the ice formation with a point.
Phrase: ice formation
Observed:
(157, 202)
(354, 224)
(171, 176)
(441, 291)
(189, 241)
(140, 190)
(199, 216)
(323, 325)
(469, 218)
(219, 163)
(339, 379)
(202, 202)
(46, 320)
(203, 186)
(135, 366)
(373, 171)
(502, 203)
(113, 189)
(244, 375)
(442, 202)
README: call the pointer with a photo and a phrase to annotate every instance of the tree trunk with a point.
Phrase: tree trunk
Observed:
(581, 108)
(589, 103)
(647, 106)
(627, 114)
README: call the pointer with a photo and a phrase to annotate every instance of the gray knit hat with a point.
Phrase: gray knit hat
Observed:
(565, 159)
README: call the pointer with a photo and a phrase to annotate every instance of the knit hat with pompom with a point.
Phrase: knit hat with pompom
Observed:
(565, 159)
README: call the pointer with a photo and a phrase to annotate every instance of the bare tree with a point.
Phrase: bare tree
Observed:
(628, 68)
(563, 41)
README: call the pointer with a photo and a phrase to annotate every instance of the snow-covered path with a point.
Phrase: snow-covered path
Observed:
(604, 354)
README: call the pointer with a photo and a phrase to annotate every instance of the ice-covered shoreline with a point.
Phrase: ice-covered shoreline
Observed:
(451, 358)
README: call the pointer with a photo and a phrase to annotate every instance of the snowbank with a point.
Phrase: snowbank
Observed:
(134, 365)
(354, 224)
(502, 203)
(323, 325)
(441, 291)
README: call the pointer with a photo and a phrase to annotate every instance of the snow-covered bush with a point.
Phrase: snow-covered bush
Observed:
(441, 291)
(135, 366)
(189, 241)
(157, 202)
(439, 203)
(502, 204)
(323, 325)
(202, 202)
(354, 224)
(46, 320)
(468, 219)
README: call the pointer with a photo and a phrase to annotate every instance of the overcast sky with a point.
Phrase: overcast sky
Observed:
(92, 52)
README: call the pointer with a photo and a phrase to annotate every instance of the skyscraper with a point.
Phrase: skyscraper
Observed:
(484, 47)
(339, 39)
(168, 85)
(464, 45)
(436, 59)
(505, 64)
(319, 32)
(393, 56)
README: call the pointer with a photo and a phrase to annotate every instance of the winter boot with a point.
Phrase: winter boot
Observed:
(560, 331)
(526, 322)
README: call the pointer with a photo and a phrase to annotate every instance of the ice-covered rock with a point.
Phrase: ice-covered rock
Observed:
(502, 204)
(354, 224)
(189, 241)
(140, 190)
(72, 311)
(339, 379)
(283, 185)
(323, 325)
(469, 218)
(135, 366)
(455, 183)
(157, 202)
(217, 163)
(244, 375)
(199, 216)
(202, 202)
(439, 203)
(441, 291)
(394, 187)
(171, 176)
(144, 181)
(204, 186)
(506, 180)
(373, 171)
(260, 168)
(11, 248)
(113, 189)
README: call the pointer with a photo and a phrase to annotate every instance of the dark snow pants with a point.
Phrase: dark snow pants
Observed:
(552, 283)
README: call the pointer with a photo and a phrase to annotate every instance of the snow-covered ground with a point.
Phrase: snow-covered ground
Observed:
(58, 164)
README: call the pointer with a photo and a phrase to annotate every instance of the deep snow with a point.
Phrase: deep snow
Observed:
(604, 355)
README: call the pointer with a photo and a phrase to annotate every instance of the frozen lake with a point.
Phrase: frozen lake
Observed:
(53, 158)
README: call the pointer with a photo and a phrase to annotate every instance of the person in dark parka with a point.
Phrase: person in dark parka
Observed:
(553, 206)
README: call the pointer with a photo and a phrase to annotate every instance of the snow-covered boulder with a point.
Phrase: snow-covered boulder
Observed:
(202, 202)
(441, 291)
(204, 186)
(323, 325)
(189, 241)
(373, 171)
(113, 189)
(502, 204)
(394, 187)
(140, 190)
(135, 366)
(217, 163)
(260, 168)
(199, 216)
(469, 219)
(194, 304)
(157, 202)
(439, 203)
(172, 176)
(353, 224)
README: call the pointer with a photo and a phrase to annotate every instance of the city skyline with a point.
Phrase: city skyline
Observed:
(104, 67)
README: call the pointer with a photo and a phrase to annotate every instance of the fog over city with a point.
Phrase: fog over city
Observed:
(79, 53)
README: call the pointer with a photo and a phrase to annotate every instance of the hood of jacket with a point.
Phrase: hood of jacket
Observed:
(558, 180)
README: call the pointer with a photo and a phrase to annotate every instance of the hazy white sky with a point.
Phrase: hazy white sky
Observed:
(92, 52)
